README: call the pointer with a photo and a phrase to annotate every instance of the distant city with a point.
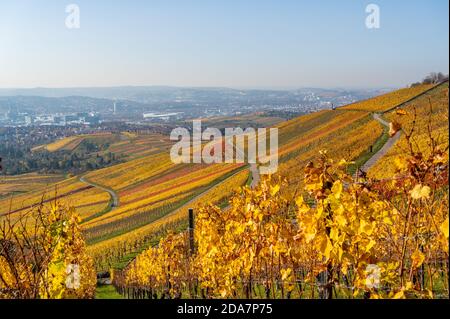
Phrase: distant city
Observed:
(12, 118)
(140, 105)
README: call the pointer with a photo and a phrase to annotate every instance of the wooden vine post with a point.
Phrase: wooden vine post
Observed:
(191, 231)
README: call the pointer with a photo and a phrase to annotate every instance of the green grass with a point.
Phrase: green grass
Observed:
(12, 194)
(107, 292)
(107, 209)
(367, 154)
(249, 178)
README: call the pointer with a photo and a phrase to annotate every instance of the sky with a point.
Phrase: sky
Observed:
(226, 43)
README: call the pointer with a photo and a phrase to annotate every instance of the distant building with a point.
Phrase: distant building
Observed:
(28, 120)
(59, 120)
(70, 118)
(82, 114)
(11, 115)
(92, 119)
(164, 116)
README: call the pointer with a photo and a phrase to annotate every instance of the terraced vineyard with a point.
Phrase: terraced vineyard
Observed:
(152, 196)
(429, 108)
(123, 144)
(348, 132)
(134, 145)
(150, 190)
(344, 224)
(72, 142)
(387, 101)
(153, 193)
(87, 200)
(10, 185)
(344, 133)
(115, 251)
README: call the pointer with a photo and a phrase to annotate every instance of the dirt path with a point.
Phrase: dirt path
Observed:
(111, 193)
(390, 142)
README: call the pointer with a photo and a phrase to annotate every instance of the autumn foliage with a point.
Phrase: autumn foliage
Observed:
(337, 238)
(42, 256)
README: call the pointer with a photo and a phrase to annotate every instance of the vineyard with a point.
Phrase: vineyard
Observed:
(387, 101)
(109, 253)
(43, 256)
(430, 108)
(134, 145)
(72, 142)
(313, 230)
(10, 185)
(124, 144)
(144, 202)
(356, 241)
(85, 199)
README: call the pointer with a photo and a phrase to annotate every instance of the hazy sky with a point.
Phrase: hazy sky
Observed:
(233, 43)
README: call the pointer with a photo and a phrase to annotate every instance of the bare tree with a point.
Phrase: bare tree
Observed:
(435, 78)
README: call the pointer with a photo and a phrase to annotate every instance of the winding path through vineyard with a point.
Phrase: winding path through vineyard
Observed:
(390, 142)
(111, 192)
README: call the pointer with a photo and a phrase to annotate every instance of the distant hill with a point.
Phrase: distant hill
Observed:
(41, 104)
(162, 97)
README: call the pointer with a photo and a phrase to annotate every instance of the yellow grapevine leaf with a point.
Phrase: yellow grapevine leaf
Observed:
(370, 245)
(444, 228)
(400, 163)
(341, 220)
(285, 273)
(325, 247)
(399, 295)
(274, 189)
(366, 227)
(337, 189)
(417, 258)
(310, 234)
(343, 162)
(334, 234)
(299, 201)
(420, 192)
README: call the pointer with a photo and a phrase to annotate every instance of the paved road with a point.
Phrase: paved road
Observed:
(255, 175)
(111, 193)
(372, 161)
(253, 169)
(390, 142)
(377, 117)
